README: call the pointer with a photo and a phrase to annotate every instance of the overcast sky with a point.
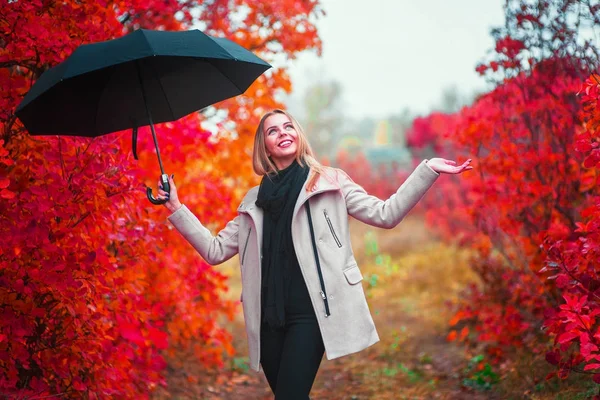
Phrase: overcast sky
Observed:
(395, 54)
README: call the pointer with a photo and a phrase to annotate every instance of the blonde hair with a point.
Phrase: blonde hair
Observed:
(262, 163)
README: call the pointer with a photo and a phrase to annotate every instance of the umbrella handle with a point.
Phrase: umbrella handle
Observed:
(164, 182)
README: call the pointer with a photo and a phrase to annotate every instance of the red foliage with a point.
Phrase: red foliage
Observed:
(527, 188)
(429, 132)
(530, 211)
(97, 293)
(572, 260)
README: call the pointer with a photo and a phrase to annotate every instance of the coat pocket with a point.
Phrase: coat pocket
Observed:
(353, 275)
(335, 236)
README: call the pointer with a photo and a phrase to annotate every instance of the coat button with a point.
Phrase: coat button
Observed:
(320, 240)
(330, 297)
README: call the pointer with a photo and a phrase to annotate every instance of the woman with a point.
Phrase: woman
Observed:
(301, 287)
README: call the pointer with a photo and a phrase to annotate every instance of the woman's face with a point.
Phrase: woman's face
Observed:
(281, 140)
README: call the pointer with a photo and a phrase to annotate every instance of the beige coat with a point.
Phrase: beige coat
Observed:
(350, 327)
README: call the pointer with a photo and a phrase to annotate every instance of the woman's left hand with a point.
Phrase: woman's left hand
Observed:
(443, 166)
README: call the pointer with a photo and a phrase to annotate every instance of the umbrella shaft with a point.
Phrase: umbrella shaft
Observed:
(139, 73)
(162, 170)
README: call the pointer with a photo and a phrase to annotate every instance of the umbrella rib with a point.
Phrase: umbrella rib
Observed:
(226, 77)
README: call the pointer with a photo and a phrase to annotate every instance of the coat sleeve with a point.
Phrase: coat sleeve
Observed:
(214, 249)
(387, 214)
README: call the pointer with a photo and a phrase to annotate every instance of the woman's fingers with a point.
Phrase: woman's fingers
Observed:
(465, 166)
(160, 186)
(161, 193)
(450, 166)
(172, 181)
(457, 169)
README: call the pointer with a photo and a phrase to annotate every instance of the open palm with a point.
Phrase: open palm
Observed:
(443, 166)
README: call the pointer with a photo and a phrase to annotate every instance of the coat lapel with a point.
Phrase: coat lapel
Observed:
(249, 207)
(324, 184)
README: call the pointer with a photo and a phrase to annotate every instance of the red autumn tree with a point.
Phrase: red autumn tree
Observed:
(529, 209)
(97, 293)
(572, 260)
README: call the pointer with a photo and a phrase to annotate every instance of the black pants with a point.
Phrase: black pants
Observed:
(291, 357)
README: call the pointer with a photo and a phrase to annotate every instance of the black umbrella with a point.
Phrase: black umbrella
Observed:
(142, 78)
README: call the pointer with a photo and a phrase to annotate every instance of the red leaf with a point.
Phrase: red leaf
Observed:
(553, 357)
(131, 333)
(583, 146)
(451, 336)
(7, 194)
(481, 68)
(567, 337)
(591, 366)
(592, 159)
(158, 338)
(562, 280)
(563, 373)
(38, 312)
(91, 256)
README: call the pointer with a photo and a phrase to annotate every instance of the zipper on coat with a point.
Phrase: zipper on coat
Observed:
(323, 292)
(337, 240)
(246, 245)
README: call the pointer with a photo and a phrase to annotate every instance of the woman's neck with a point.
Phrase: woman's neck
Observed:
(282, 164)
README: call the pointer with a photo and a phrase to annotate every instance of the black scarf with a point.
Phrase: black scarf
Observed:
(277, 197)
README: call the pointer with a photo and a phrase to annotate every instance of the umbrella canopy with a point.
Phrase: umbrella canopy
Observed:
(139, 79)
(100, 88)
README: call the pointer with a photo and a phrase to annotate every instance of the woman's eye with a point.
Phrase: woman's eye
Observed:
(289, 127)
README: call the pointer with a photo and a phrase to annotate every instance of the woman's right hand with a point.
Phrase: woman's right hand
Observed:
(173, 203)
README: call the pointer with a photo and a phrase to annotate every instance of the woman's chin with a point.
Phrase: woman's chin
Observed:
(287, 156)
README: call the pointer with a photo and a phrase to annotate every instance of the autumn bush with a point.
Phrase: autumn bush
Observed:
(97, 293)
(530, 209)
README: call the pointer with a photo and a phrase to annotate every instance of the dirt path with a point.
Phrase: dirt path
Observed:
(408, 280)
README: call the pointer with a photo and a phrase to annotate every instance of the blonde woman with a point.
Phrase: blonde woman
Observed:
(301, 287)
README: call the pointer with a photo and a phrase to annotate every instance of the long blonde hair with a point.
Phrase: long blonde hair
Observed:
(262, 163)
